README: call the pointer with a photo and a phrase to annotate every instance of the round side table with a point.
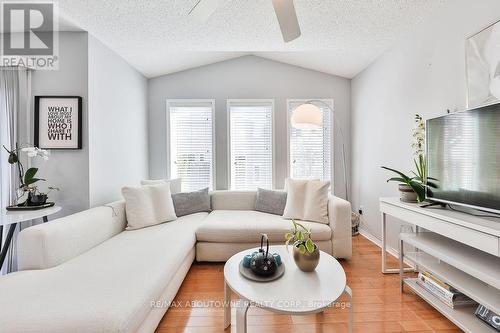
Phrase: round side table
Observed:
(13, 218)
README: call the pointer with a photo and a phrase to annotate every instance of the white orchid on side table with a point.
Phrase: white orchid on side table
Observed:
(28, 179)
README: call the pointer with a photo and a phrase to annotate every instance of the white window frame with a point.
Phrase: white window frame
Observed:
(273, 140)
(329, 102)
(214, 155)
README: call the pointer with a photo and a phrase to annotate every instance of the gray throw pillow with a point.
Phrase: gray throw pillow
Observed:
(186, 203)
(272, 202)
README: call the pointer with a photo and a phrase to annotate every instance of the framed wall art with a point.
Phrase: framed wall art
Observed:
(58, 122)
(483, 66)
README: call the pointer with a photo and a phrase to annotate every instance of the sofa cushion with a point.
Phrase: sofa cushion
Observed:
(186, 203)
(175, 183)
(307, 200)
(272, 202)
(233, 226)
(233, 200)
(148, 205)
(316, 201)
(296, 193)
(106, 289)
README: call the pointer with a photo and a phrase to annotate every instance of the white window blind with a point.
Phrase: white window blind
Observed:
(191, 143)
(311, 149)
(251, 144)
(461, 142)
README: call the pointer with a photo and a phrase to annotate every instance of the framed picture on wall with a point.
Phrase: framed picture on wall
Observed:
(58, 122)
(483, 66)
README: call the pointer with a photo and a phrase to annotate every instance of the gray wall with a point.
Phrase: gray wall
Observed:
(115, 136)
(67, 169)
(424, 74)
(118, 154)
(245, 78)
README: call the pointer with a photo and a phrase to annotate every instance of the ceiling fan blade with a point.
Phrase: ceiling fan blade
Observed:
(287, 19)
(204, 9)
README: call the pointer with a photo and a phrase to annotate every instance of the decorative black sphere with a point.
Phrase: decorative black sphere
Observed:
(263, 264)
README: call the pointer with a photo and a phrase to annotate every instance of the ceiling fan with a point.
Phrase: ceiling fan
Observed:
(284, 9)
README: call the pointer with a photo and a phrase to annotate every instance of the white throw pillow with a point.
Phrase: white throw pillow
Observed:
(307, 200)
(316, 201)
(295, 198)
(148, 205)
(301, 180)
(175, 183)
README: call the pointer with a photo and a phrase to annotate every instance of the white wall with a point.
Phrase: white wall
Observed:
(67, 169)
(424, 74)
(118, 150)
(245, 78)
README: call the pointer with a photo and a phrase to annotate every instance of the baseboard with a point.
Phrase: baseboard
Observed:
(392, 251)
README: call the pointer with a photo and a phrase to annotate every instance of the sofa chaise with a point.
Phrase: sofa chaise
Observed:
(85, 273)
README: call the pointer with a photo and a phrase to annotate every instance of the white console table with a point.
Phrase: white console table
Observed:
(460, 249)
(480, 233)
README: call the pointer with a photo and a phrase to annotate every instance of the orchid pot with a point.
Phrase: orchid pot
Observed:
(407, 194)
(36, 199)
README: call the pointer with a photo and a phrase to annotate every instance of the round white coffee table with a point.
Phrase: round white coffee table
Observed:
(295, 293)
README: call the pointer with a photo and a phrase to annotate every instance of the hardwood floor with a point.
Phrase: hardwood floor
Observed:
(377, 302)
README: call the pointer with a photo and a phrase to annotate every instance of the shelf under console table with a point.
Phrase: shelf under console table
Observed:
(477, 232)
(473, 272)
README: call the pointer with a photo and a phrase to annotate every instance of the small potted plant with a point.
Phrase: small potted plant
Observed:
(305, 251)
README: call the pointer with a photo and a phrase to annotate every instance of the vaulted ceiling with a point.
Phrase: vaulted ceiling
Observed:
(340, 37)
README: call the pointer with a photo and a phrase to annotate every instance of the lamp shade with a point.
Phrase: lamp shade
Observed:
(307, 116)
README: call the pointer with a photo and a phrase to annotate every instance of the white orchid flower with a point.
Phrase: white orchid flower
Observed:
(32, 151)
(418, 143)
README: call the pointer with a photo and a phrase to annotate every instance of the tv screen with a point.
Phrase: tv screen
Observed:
(463, 156)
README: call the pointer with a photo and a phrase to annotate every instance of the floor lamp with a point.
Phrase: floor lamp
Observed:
(310, 116)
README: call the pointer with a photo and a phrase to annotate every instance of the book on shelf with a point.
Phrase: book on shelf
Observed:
(439, 281)
(488, 316)
(444, 292)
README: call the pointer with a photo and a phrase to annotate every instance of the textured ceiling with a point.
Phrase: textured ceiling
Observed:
(158, 37)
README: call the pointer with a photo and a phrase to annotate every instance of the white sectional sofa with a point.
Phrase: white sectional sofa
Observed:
(85, 273)
(234, 225)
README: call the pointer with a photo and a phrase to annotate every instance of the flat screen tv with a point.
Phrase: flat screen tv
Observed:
(463, 156)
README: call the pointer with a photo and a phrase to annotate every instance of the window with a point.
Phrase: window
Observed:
(250, 144)
(191, 153)
(311, 150)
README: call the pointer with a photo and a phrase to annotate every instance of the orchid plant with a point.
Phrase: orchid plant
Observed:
(27, 178)
(419, 179)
